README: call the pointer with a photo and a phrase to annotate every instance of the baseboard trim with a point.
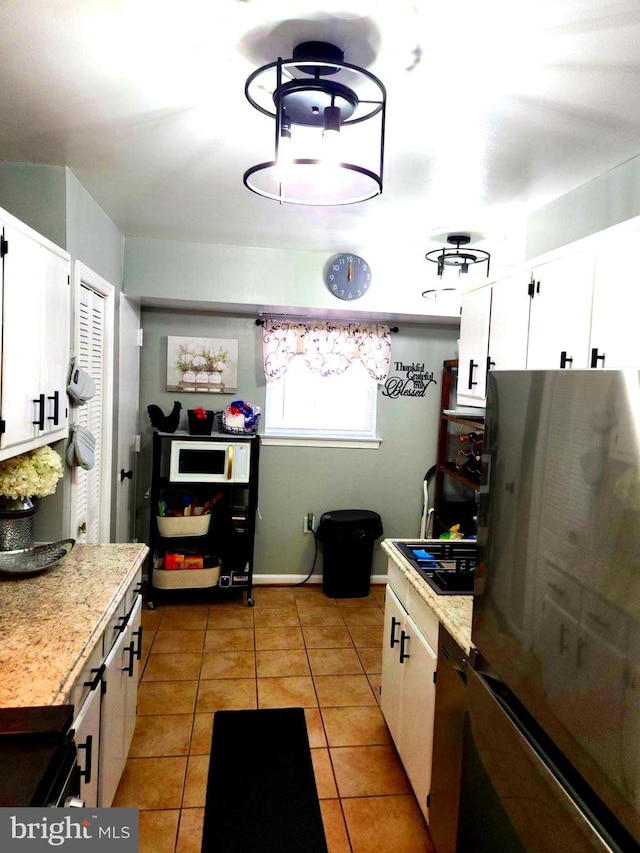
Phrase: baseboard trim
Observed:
(283, 580)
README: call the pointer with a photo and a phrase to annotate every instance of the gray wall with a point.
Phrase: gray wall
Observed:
(607, 200)
(294, 480)
(245, 277)
(36, 195)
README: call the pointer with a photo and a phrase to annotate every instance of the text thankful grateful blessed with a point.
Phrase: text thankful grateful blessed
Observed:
(413, 383)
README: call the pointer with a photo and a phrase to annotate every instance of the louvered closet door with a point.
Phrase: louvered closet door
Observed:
(90, 354)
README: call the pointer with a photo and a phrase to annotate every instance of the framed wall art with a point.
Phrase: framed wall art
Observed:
(208, 365)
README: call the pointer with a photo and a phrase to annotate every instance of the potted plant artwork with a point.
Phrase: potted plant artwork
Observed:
(216, 362)
(205, 365)
(185, 366)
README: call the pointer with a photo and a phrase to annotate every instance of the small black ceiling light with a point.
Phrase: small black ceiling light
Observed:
(454, 256)
(298, 94)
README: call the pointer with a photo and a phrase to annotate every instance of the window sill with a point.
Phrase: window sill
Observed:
(309, 441)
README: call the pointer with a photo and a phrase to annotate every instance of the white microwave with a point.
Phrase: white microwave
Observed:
(209, 462)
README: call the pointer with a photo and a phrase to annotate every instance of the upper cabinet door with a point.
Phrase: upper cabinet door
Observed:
(35, 340)
(560, 314)
(509, 323)
(474, 347)
(616, 304)
(23, 397)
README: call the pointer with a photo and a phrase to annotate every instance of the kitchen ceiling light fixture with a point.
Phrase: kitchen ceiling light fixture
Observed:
(454, 256)
(321, 99)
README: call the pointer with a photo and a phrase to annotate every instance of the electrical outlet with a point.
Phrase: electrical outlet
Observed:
(308, 523)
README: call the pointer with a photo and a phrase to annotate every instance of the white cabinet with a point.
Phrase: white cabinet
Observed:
(616, 304)
(509, 326)
(560, 313)
(105, 698)
(35, 339)
(407, 696)
(474, 347)
(118, 713)
(86, 726)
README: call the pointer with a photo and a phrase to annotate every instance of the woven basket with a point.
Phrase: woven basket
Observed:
(188, 525)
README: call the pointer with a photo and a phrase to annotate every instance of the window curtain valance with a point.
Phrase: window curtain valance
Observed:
(328, 348)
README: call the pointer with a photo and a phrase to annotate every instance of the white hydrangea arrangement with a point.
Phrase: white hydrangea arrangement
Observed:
(32, 474)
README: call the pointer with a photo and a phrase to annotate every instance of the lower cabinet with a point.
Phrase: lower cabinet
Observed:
(105, 698)
(118, 712)
(408, 692)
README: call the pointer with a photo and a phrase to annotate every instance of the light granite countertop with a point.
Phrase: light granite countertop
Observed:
(453, 611)
(50, 623)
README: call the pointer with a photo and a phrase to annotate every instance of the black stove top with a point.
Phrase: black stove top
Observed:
(37, 754)
(447, 565)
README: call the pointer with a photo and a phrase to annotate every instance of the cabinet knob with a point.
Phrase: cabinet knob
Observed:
(565, 360)
(125, 475)
(595, 358)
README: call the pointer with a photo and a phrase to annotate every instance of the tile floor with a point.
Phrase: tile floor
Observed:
(294, 648)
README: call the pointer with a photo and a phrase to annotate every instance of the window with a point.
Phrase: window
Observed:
(305, 404)
(322, 379)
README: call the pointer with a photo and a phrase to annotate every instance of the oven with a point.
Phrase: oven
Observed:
(38, 765)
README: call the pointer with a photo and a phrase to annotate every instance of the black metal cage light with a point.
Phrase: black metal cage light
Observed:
(454, 256)
(318, 100)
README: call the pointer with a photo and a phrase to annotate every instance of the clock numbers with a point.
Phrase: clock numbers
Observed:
(348, 276)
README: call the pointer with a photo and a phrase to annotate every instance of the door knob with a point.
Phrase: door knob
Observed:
(125, 475)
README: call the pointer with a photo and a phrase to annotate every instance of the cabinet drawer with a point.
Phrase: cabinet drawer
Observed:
(566, 592)
(424, 617)
(398, 582)
(86, 677)
(605, 620)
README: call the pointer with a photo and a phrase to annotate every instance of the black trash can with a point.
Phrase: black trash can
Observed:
(347, 536)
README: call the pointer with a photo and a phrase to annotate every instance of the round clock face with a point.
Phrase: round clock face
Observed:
(348, 276)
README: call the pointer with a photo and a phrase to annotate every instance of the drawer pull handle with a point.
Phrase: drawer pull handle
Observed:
(393, 640)
(130, 649)
(602, 623)
(39, 401)
(403, 639)
(138, 635)
(88, 747)
(96, 679)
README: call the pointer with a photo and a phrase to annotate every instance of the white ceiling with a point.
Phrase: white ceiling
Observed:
(494, 108)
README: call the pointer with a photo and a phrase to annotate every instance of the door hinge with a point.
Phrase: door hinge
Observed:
(531, 289)
(4, 246)
(435, 677)
(140, 337)
(3, 426)
(380, 690)
(428, 801)
(137, 443)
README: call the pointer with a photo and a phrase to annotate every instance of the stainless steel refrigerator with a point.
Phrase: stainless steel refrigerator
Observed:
(552, 735)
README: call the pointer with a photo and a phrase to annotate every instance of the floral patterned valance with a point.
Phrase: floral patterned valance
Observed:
(328, 348)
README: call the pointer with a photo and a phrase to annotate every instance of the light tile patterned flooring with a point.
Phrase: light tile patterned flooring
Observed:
(296, 647)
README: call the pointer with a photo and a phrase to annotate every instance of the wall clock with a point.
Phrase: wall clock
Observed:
(348, 276)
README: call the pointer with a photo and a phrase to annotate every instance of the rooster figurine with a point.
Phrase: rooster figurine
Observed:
(162, 422)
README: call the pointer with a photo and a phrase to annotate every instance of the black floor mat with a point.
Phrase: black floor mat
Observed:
(261, 791)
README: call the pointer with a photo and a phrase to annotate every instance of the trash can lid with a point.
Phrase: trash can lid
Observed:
(343, 521)
(341, 515)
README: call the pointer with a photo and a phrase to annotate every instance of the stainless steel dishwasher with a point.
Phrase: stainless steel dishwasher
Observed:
(451, 678)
